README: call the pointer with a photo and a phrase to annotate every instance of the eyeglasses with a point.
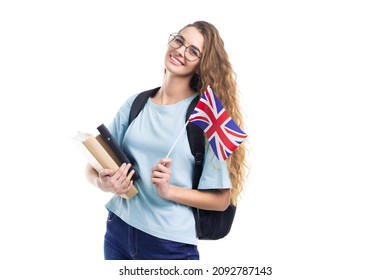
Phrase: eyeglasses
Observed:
(191, 53)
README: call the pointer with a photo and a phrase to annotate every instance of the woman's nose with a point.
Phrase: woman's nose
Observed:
(181, 50)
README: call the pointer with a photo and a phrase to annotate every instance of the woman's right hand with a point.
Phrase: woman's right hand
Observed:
(116, 182)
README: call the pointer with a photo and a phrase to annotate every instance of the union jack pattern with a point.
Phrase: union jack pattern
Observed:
(221, 131)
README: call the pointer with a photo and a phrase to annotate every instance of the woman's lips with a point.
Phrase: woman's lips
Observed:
(176, 61)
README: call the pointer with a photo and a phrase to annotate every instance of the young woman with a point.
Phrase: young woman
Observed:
(158, 222)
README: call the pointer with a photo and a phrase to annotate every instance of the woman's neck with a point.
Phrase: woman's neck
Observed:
(173, 91)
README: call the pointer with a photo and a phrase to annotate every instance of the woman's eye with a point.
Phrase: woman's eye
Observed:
(193, 52)
(179, 41)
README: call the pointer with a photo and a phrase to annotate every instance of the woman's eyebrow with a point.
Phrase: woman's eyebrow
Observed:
(195, 47)
(184, 39)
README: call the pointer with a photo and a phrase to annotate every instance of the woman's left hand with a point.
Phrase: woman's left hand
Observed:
(161, 175)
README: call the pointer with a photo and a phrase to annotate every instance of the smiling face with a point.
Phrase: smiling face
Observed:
(175, 58)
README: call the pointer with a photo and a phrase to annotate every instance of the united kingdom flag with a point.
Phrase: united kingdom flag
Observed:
(222, 132)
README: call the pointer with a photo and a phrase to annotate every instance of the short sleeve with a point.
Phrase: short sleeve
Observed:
(215, 174)
(120, 123)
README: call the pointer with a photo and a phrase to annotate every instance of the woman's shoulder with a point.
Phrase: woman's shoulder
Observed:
(130, 100)
(143, 95)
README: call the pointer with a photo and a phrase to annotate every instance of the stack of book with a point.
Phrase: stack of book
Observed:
(103, 152)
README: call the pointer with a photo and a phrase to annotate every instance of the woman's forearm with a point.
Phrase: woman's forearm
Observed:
(217, 200)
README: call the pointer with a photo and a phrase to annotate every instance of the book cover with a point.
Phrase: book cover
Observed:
(117, 154)
(100, 155)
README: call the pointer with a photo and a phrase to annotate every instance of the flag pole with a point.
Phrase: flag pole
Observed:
(177, 139)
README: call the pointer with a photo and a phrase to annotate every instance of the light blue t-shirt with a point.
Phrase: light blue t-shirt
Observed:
(147, 140)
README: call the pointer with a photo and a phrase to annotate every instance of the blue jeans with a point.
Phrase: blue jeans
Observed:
(124, 242)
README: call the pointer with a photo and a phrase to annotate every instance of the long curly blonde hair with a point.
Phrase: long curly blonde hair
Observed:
(216, 70)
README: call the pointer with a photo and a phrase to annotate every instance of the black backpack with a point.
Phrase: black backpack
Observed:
(210, 225)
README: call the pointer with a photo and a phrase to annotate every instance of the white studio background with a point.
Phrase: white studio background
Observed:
(314, 78)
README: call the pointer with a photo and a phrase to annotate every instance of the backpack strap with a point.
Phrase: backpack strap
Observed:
(195, 137)
(196, 140)
(140, 101)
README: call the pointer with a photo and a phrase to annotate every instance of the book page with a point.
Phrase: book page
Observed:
(89, 157)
